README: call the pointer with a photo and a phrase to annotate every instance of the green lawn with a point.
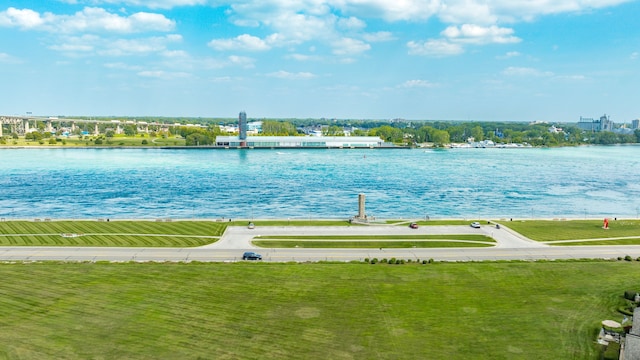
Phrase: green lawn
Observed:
(294, 222)
(111, 233)
(520, 310)
(118, 140)
(548, 230)
(374, 241)
(345, 244)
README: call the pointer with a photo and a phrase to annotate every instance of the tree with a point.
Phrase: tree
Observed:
(477, 133)
(130, 130)
(439, 137)
(109, 133)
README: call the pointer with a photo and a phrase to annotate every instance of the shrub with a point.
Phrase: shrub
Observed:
(400, 261)
(374, 260)
(366, 260)
(619, 258)
(392, 261)
(431, 261)
(628, 258)
(98, 141)
(424, 261)
(383, 261)
(630, 295)
(144, 142)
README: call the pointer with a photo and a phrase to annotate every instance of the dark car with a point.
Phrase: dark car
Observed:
(250, 255)
(413, 225)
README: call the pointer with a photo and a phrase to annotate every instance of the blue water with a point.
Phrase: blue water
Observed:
(459, 183)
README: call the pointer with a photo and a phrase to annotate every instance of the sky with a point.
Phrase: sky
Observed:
(478, 60)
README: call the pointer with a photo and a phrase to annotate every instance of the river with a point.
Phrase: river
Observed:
(570, 182)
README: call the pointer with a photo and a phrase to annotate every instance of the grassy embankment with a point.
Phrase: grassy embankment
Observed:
(588, 232)
(112, 233)
(197, 233)
(374, 241)
(519, 310)
(118, 140)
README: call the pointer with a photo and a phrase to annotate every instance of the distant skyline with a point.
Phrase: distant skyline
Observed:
(502, 60)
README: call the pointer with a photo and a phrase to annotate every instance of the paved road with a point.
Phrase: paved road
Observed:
(236, 240)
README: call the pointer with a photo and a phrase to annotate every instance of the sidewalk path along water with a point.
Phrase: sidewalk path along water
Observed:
(236, 240)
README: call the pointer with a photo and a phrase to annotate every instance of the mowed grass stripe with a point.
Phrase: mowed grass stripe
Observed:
(311, 244)
(310, 311)
(549, 230)
(133, 227)
(87, 233)
(380, 237)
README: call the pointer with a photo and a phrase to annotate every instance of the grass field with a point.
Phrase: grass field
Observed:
(548, 230)
(520, 310)
(374, 241)
(89, 141)
(111, 233)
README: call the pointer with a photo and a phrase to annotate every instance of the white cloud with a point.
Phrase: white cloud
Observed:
(22, 18)
(302, 57)
(526, 71)
(95, 45)
(153, 4)
(380, 36)
(291, 76)
(244, 42)
(349, 46)
(434, 47)
(351, 23)
(417, 84)
(8, 59)
(454, 37)
(163, 75)
(634, 55)
(90, 19)
(242, 61)
(475, 34)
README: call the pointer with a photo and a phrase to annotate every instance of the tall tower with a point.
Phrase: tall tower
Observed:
(242, 126)
(361, 213)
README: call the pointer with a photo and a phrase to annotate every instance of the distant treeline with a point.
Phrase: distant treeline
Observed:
(401, 132)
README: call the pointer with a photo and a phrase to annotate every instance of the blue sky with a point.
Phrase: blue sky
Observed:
(502, 60)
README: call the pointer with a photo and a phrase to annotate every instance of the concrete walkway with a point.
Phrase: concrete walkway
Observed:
(237, 237)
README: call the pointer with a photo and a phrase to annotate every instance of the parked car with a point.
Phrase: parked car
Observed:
(413, 225)
(475, 224)
(251, 226)
(250, 255)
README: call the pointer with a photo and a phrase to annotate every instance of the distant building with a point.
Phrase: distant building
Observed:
(555, 130)
(593, 125)
(242, 125)
(319, 142)
(635, 124)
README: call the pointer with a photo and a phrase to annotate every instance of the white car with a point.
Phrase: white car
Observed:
(475, 224)
(251, 226)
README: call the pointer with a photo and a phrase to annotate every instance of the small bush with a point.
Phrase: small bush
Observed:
(425, 261)
(383, 261)
(628, 258)
(400, 261)
(144, 142)
(374, 261)
(630, 295)
(366, 260)
(431, 261)
(392, 261)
